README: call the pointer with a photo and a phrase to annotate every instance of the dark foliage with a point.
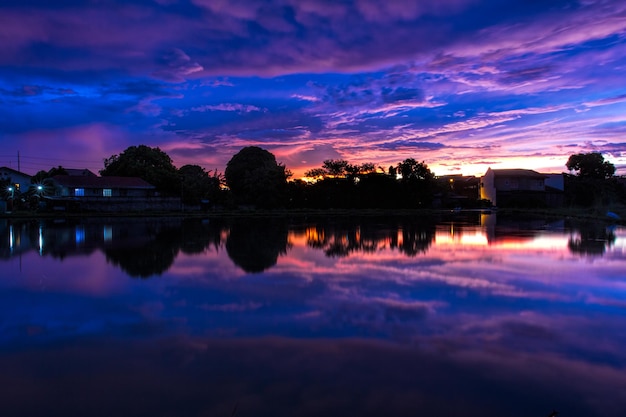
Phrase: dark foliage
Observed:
(255, 178)
(590, 165)
(588, 191)
(151, 164)
(198, 185)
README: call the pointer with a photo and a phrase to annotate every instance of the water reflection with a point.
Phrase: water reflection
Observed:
(591, 239)
(147, 247)
(342, 237)
(255, 244)
(458, 316)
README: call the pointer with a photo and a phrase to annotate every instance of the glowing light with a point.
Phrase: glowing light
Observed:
(464, 237)
(80, 235)
(107, 233)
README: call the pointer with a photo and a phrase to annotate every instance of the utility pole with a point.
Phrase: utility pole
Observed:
(18, 161)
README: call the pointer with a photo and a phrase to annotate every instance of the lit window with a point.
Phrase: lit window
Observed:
(79, 192)
(106, 192)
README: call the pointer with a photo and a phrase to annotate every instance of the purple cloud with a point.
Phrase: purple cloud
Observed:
(362, 79)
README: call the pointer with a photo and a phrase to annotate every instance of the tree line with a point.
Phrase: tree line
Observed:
(253, 178)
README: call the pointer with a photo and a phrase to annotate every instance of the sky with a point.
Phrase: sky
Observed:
(462, 85)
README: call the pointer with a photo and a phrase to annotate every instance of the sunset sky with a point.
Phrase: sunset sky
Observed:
(460, 84)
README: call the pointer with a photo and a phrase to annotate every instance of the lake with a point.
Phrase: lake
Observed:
(460, 315)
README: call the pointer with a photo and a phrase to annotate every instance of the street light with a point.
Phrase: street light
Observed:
(12, 192)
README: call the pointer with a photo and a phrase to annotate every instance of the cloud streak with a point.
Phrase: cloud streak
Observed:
(365, 80)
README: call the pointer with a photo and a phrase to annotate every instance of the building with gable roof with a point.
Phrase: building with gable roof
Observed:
(105, 194)
(105, 187)
(518, 188)
(15, 178)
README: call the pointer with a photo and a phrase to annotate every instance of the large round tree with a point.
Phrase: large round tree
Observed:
(590, 165)
(150, 164)
(255, 178)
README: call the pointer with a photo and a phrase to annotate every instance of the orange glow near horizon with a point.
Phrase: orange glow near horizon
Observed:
(445, 237)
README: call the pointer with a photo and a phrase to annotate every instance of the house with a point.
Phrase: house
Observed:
(18, 180)
(555, 190)
(105, 194)
(92, 186)
(514, 188)
(459, 190)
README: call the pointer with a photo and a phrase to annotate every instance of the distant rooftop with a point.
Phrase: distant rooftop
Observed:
(14, 171)
(517, 172)
(73, 172)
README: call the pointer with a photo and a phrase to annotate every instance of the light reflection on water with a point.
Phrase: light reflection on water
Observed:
(461, 316)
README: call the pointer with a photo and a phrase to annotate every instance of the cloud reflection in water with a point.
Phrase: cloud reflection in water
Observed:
(375, 317)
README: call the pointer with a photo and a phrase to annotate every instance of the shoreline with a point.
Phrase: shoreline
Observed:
(592, 213)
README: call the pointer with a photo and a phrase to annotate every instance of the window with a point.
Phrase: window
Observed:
(106, 192)
(79, 192)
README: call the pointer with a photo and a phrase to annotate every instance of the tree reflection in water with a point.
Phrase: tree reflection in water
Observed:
(340, 238)
(591, 239)
(144, 247)
(157, 254)
(151, 258)
(255, 244)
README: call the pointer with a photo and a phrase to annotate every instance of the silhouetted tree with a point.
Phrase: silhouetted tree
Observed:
(410, 170)
(418, 183)
(335, 167)
(340, 168)
(40, 176)
(317, 173)
(593, 183)
(298, 194)
(197, 184)
(590, 165)
(151, 164)
(254, 177)
(378, 190)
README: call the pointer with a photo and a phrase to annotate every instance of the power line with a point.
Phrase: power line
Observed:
(37, 163)
(53, 159)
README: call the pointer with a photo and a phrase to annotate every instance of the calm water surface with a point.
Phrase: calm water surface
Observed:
(464, 316)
